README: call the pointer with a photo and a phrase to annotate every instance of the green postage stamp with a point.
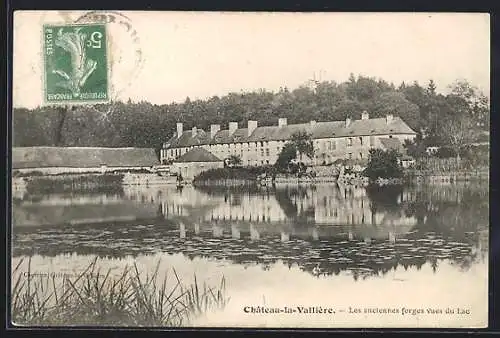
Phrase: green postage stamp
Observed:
(75, 63)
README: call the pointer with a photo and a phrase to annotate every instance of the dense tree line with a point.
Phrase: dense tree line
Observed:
(142, 124)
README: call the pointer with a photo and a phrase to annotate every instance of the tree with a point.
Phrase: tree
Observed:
(431, 88)
(459, 134)
(288, 153)
(234, 160)
(415, 148)
(395, 102)
(383, 164)
(303, 143)
(62, 113)
(471, 100)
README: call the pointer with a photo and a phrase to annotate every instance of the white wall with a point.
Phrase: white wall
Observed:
(267, 152)
(61, 170)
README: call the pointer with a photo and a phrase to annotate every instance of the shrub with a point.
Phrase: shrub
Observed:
(445, 152)
(383, 164)
(228, 173)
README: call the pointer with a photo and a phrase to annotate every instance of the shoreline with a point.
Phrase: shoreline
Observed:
(91, 181)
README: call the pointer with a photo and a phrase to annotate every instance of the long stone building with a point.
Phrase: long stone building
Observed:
(56, 160)
(349, 139)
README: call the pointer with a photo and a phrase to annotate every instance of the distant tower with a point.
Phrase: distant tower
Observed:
(315, 81)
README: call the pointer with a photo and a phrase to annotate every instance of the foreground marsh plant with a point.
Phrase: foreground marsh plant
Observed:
(94, 298)
(81, 66)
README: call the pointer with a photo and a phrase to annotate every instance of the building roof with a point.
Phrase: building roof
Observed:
(187, 140)
(318, 130)
(275, 133)
(198, 155)
(82, 157)
(377, 126)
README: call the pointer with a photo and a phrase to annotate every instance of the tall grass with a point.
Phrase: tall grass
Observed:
(96, 299)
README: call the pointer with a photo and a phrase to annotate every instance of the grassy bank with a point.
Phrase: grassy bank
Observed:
(70, 182)
(96, 298)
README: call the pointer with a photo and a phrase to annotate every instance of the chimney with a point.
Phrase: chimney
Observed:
(312, 123)
(282, 122)
(179, 129)
(232, 127)
(214, 129)
(389, 118)
(347, 122)
(252, 125)
(364, 115)
(194, 132)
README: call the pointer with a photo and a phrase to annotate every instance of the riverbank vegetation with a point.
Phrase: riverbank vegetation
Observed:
(230, 176)
(94, 298)
(383, 164)
(72, 182)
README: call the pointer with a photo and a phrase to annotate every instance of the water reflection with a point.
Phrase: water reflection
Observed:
(324, 230)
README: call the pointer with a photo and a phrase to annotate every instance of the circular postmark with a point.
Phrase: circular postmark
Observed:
(125, 54)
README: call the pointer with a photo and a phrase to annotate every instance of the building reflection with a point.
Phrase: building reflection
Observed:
(289, 211)
(327, 228)
(319, 205)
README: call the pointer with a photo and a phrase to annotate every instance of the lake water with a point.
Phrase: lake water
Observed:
(332, 246)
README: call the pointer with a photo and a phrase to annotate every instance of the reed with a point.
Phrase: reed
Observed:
(99, 299)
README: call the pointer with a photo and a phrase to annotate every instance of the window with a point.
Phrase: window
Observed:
(390, 136)
(349, 142)
(350, 156)
(262, 152)
(267, 151)
(361, 155)
(361, 140)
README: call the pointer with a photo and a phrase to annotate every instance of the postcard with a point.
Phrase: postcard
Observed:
(250, 170)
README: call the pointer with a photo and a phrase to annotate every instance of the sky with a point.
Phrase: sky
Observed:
(201, 54)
